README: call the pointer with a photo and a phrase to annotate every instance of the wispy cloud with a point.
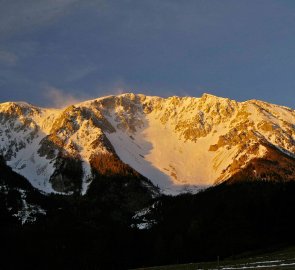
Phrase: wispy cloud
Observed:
(8, 58)
(120, 86)
(59, 98)
(116, 87)
(76, 74)
(18, 15)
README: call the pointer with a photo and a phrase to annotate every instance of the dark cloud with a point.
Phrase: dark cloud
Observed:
(239, 49)
(7, 58)
(17, 15)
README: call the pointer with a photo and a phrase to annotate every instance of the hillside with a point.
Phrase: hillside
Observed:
(88, 232)
(179, 143)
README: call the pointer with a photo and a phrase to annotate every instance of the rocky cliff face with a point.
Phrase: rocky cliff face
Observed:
(179, 143)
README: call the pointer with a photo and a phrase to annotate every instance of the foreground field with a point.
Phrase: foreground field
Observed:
(282, 259)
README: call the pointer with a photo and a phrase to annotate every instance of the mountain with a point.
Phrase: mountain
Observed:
(178, 143)
(78, 184)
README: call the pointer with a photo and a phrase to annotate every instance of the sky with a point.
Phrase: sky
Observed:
(57, 52)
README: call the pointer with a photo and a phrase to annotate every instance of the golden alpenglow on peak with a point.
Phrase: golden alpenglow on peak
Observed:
(179, 143)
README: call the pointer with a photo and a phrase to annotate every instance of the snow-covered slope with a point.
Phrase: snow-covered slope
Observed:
(179, 143)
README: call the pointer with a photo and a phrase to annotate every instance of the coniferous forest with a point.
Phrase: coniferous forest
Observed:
(98, 230)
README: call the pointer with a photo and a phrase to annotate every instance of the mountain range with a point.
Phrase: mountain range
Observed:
(180, 144)
(82, 185)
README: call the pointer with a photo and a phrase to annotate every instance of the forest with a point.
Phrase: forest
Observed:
(99, 231)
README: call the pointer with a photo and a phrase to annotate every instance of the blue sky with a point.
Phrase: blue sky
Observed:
(60, 51)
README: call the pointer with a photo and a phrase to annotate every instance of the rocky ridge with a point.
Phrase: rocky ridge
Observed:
(179, 143)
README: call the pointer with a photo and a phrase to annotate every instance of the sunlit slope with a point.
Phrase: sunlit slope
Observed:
(179, 143)
(185, 142)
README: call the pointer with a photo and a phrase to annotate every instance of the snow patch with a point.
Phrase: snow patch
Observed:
(28, 213)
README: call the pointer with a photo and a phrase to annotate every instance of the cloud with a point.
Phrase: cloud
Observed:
(116, 87)
(8, 58)
(59, 98)
(120, 86)
(76, 74)
(18, 15)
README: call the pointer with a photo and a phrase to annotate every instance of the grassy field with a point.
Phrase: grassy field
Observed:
(282, 259)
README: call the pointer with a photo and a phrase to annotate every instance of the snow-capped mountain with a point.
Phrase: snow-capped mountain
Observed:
(179, 143)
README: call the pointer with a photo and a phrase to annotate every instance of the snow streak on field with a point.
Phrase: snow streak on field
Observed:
(284, 259)
(263, 264)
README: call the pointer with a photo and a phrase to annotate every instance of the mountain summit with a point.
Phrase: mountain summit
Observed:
(179, 143)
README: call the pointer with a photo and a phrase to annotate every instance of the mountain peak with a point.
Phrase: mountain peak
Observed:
(208, 95)
(179, 143)
(212, 98)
